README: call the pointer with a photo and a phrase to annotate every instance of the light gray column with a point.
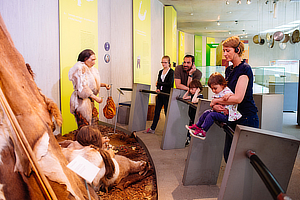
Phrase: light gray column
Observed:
(276, 150)
(204, 156)
(139, 108)
(270, 111)
(175, 133)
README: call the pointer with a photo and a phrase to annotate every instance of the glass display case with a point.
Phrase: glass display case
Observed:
(281, 77)
(266, 76)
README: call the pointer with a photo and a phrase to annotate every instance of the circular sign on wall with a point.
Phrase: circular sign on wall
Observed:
(106, 58)
(106, 46)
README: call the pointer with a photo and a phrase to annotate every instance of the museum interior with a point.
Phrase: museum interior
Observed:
(135, 45)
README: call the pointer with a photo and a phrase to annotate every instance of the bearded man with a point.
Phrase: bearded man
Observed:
(187, 72)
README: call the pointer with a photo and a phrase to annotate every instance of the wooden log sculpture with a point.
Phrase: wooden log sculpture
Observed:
(33, 112)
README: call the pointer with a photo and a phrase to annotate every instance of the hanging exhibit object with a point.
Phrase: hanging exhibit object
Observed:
(295, 36)
(286, 38)
(262, 41)
(278, 36)
(271, 43)
(268, 37)
(256, 39)
(282, 46)
(109, 111)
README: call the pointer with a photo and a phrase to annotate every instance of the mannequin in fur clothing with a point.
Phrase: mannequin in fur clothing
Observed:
(86, 84)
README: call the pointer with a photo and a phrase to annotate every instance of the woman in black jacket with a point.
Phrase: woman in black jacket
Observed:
(165, 82)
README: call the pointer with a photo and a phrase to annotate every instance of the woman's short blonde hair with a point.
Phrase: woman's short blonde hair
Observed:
(234, 42)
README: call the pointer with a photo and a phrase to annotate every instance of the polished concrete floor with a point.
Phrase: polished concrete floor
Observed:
(169, 166)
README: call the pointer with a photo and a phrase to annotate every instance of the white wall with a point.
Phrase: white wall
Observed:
(189, 41)
(115, 26)
(260, 55)
(157, 18)
(34, 28)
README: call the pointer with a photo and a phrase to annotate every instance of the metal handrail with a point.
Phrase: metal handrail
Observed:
(154, 92)
(126, 89)
(267, 177)
(187, 102)
(228, 130)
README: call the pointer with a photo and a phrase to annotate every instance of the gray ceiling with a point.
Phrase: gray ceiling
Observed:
(200, 17)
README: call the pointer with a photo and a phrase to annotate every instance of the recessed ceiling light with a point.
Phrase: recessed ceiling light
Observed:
(239, 2)
(227, 2)
(192, 14)
(229, 32)
(229, 12)
(248, 2)
(218, 23)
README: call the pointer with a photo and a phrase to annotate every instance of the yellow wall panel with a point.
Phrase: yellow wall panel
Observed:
(142, 41)
(78, 31)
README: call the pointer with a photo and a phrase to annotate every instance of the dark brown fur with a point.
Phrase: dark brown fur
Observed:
(88, 135)
(109, 164)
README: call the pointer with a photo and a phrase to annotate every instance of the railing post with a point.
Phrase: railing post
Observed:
(175, 133)
(277, 150)
(138, 108)
(205, 156)
(267, 177)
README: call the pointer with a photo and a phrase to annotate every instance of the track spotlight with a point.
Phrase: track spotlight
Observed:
(227, 2)
(229, 32)
(248, 2)
(218, 23)
(236, 22)
(239, 2)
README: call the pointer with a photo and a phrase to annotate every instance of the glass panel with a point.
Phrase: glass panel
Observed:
(208, 70)
(267, 79)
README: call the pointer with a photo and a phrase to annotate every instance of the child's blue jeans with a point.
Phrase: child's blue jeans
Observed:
(209, 117)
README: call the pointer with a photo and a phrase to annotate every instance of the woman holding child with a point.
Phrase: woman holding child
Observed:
(239, 79)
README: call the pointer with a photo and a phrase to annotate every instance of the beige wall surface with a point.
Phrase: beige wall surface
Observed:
(189, 44)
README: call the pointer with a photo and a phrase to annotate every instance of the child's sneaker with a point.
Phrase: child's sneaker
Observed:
(193, 127)
(198, 133)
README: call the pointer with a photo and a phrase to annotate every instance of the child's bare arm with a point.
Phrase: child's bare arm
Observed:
(195, 99)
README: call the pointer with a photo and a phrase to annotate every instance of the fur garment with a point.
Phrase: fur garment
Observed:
(86, 81)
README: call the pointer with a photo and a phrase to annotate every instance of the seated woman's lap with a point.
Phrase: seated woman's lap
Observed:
(251, 121)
